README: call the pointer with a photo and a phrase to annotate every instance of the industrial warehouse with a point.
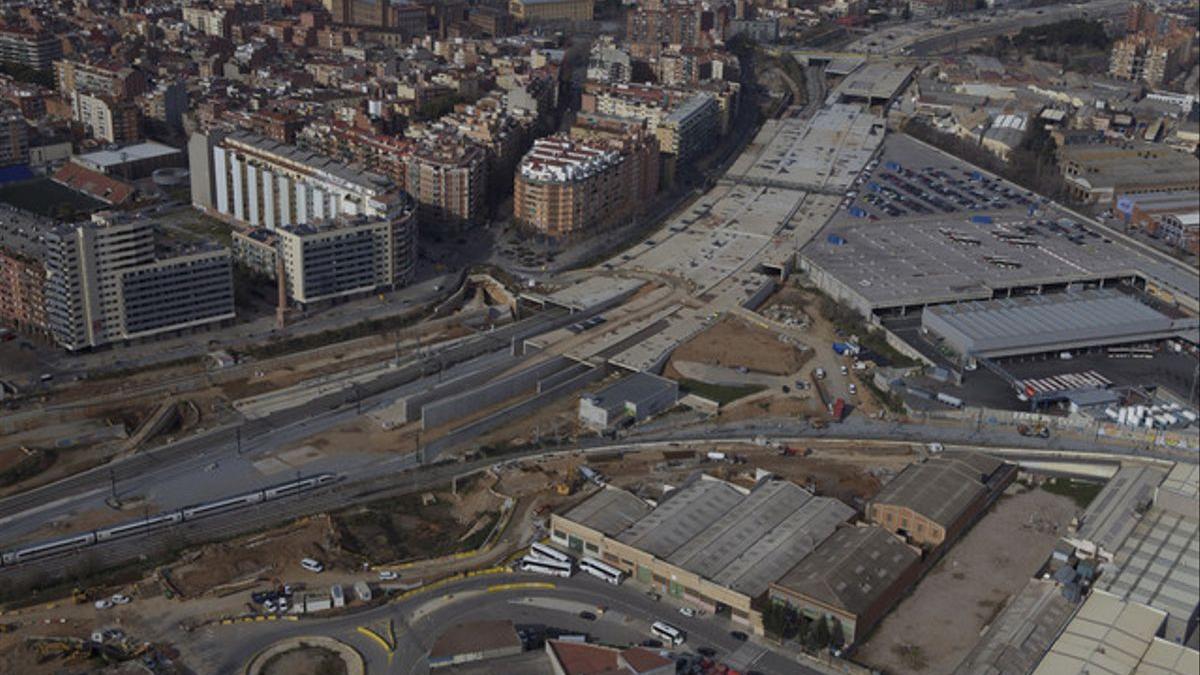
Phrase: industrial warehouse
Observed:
(1051, 324)
(709, 542)
(730, 550)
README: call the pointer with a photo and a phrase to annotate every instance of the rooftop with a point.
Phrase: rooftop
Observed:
(311, 160)
(1043, 322)
(1109, 636)
(851, 569)
(874, 81)
(741, 539)
(609, 511)
(940, 488)
(632, 389)
(560, 159)
(103, 159)
(1112, 515)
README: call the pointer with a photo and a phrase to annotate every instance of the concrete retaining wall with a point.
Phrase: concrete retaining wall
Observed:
(506, 415)
(447, 410)
(409, 407)
(548, 383)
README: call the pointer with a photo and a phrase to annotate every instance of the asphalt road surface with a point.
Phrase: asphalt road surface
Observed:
(419, 621)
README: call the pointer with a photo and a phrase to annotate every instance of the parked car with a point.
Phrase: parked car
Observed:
(738, 635)
(119, 599)
(104, 603)
(687, 611)
(388, 575)
(314, 566)
(587, 616)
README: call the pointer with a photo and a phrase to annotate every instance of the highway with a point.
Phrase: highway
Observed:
(942, 41)
(419, 620)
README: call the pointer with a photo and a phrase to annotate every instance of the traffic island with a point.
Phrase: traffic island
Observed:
(307, 654)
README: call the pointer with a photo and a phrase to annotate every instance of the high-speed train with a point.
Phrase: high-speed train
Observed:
(161, 520)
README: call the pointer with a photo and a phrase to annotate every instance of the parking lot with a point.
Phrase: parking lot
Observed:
(908, 180)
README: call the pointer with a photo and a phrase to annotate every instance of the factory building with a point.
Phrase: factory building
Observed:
(931, 503)
(709, 543)
(1043, 324)
(854, 577)
(629, 400)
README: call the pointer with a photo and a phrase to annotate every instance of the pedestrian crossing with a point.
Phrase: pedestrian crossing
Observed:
(1089, 379)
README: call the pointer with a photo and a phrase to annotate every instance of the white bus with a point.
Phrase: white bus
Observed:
(668, 633)
(547, 553)
(601, 570)
(540, 566)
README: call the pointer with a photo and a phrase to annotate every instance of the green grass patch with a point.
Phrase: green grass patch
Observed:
(1081, 492)
(721, 393)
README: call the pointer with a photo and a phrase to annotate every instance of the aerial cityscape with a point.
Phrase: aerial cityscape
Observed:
(600, 337)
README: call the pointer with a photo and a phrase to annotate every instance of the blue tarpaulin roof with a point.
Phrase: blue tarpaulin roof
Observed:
(15, 173)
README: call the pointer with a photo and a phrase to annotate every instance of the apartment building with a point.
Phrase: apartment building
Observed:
(335, 258)
(118, 82)
(106, 118)
(109, 280)
(633, 139)
(566, 187)
(14, 136)
(531, 11)
(33, 48)
(1151, 58)
(22, 274)
(691, 129)
(448, 178)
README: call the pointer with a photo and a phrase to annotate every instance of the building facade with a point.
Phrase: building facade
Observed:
(551, 10)
(448, 178)
(106, 283)
(14, 136)
(106, 118)
(566, 188)
(35, 49)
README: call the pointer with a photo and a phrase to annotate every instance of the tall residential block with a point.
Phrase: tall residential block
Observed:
(34, 49)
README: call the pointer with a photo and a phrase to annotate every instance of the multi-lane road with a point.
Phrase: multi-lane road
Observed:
(419, 620)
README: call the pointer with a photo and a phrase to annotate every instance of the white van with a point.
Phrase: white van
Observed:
(313, 566)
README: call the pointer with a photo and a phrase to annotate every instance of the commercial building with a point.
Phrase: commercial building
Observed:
(708, 542)
(1040, 324)
(875, 84)
(931, 503)
(131, 162)
(627, 401)
(35, 49)
(531, 11)
(1154, 545)
(111, 280)
(1112, 515)
(344, 256)
(565, 188)
(1110, 635)
(448, 177)
(1098, 172)
(854, 577)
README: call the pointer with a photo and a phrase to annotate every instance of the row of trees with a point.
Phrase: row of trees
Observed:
(784, 623)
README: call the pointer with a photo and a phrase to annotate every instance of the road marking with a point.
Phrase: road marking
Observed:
(527, 585)
(388, 649)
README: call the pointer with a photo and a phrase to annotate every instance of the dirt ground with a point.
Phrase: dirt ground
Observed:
(938, 624)
(771, 404)
(307, 660)
(274, 554)
(733, 343)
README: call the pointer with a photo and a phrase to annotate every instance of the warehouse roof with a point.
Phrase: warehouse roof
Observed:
(941, 488)
(1044, 322)
(102, 160)
(1109, 636)
(609, 511)
(737, 538)
(635, 389)
(851, 569)
(881, 80)
(1113, 513)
